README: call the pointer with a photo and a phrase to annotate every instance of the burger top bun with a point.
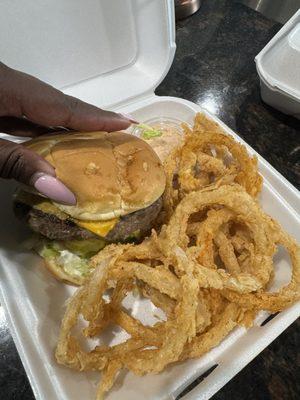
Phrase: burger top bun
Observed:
(111, 174)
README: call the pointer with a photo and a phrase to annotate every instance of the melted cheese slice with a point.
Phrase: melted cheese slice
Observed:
(49, 208)
(100, 228)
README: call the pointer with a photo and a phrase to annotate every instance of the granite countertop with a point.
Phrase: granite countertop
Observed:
(214, 68)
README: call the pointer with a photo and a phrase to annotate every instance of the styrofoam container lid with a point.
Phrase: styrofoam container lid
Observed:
(103, 52)
(278, 64)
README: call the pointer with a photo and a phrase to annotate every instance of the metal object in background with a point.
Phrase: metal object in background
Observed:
(278, 10)
(185, 8)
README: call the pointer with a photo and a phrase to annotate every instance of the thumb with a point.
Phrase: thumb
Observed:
(19, 163)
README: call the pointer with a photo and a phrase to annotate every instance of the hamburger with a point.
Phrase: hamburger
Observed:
(118, 181)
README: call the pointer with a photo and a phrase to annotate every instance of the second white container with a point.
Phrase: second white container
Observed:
(278, 67)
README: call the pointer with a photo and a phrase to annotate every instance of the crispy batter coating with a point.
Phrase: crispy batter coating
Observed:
(208, 269)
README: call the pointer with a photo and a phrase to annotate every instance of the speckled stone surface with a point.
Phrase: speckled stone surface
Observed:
(214, 68)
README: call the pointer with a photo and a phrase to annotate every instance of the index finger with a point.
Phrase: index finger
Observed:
(24, 95)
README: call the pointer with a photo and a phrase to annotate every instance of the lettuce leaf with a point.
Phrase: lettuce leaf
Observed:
(73, 256)
(148, 132)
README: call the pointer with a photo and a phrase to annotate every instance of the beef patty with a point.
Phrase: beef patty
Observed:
(54, 228)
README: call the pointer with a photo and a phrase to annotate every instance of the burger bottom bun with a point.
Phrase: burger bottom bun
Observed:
(60, 274)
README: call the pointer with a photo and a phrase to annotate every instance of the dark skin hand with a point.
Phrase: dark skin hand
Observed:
(29, 108)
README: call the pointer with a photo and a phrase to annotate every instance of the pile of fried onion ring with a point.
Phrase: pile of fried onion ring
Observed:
(209, 267)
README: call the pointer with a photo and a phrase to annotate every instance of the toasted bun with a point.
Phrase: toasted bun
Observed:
(60, 274)
(111, 174)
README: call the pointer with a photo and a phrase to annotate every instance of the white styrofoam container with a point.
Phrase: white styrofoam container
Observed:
(278, 67)
(33, 300)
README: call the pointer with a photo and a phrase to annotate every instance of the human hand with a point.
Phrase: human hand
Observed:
(29, 108)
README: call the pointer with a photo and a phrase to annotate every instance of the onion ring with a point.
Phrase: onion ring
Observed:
(207, 268)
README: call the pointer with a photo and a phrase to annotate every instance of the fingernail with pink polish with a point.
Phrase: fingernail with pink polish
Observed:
(129, 117)
(53, 188)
